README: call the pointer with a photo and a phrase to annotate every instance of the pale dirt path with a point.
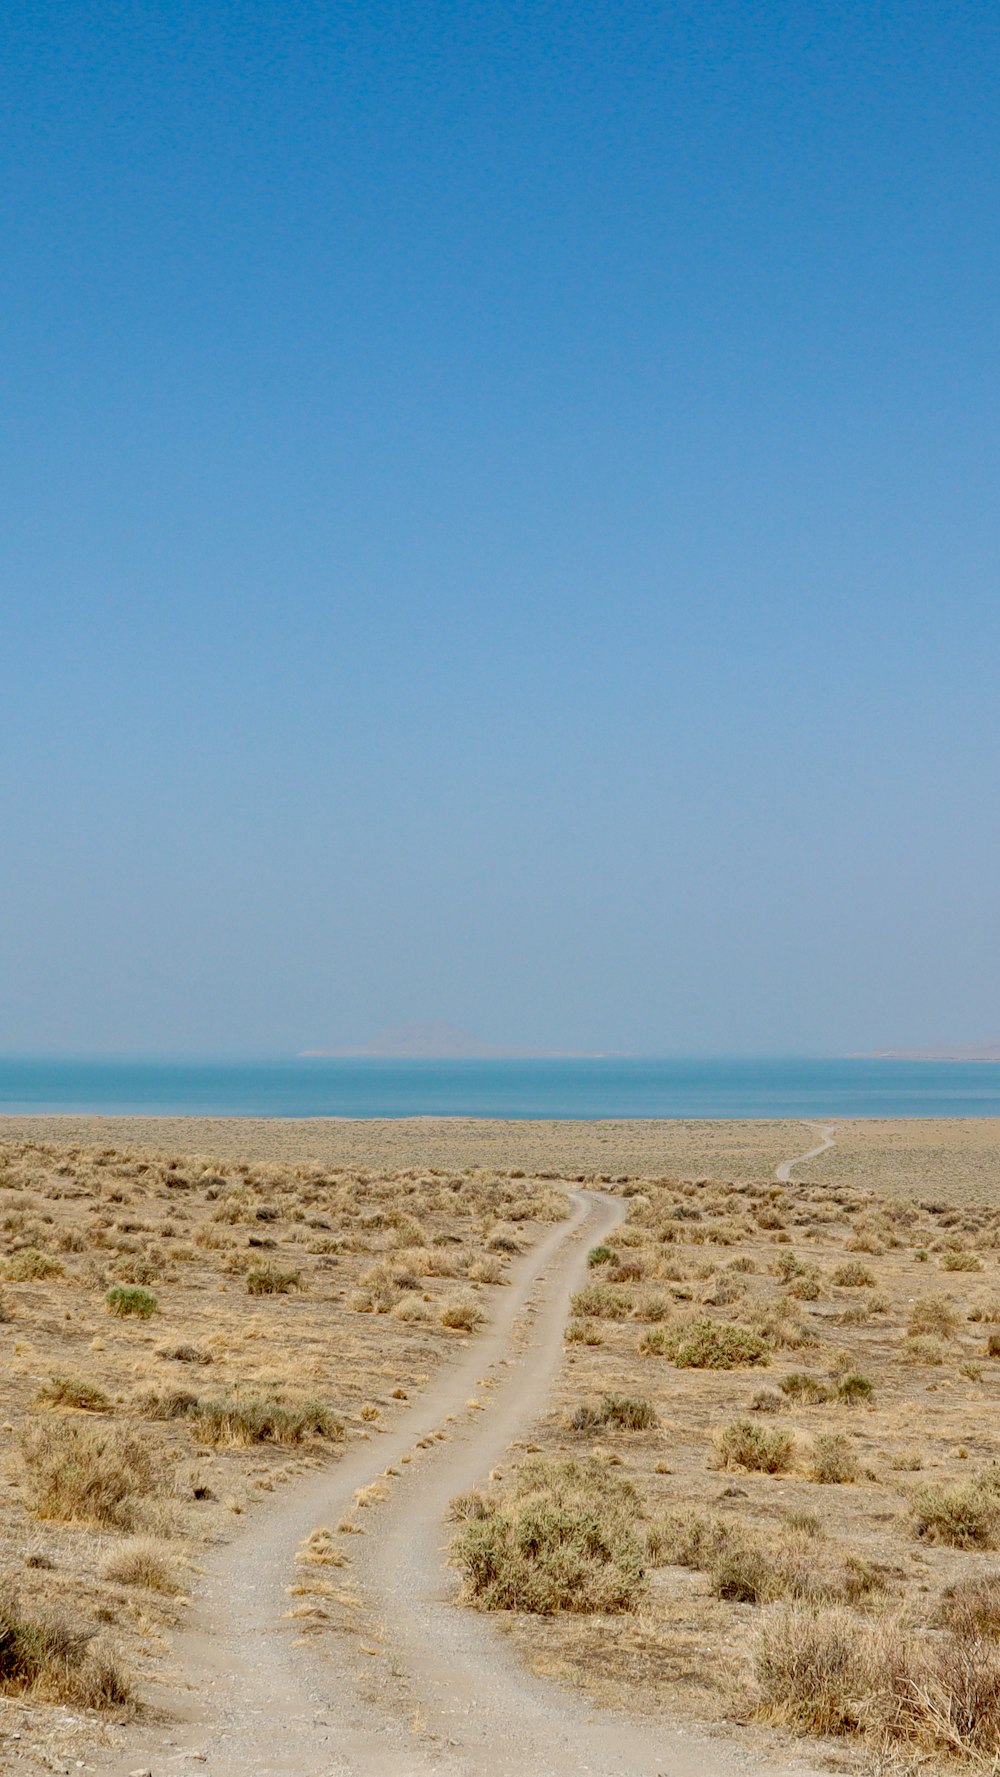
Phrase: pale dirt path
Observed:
(443, 1694)
(783, 1173)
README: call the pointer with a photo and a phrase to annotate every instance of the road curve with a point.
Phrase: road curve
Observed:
(783, 1173)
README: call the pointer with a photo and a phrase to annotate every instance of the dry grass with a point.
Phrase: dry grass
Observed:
(177, 1338)
(856, 1489)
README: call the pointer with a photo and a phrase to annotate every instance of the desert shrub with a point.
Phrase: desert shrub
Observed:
(806, 1286)
(563, 1536)
(601, 1301)
(504, 1240)
(263, 1419)
(143, 1562)
(744, 1444)
(988, 1310)
(936, 1315)
(167, 1403)
(704, 1344)
(270, 1280)
(972, 1606)
(51, 1661)
(852, 1275)
(602, 1255)
(768, 1400)
(924, 1348)
(625, 1412)
(960, 1261)
(31, 1266)
(747, 1567)
(486, 1270)
(653, 1308)
(816, 1668)
(73, 1391)
(833, 1459)
(993, 1345)
(829, 1672)
(807, 1390)
(127, 1298)
(855, 1386)
(964, 1515)
(583, 1332)
(411, 1308)
(185, 1354)
(84, 1473)
(461, 1313)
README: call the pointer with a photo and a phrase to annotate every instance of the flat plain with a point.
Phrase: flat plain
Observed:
(777, 1403)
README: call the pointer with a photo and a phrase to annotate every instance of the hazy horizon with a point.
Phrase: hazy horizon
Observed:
(500, 526)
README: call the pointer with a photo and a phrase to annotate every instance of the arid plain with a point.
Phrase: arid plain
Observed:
(724, 1461)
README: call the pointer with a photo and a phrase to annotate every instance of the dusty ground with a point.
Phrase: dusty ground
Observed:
(960, 1157)
(365, 1329)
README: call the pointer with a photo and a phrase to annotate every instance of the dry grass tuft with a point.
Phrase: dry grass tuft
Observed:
(78, 1473)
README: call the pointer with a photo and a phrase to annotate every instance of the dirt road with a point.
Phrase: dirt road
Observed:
(783, 1173)
(411, 1685)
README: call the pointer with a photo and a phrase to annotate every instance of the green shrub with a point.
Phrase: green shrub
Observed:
(602, 1255)
(127, 1298)
(562, 1536)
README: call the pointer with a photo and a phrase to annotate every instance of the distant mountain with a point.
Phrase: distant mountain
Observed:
(946, 1052)
(432, 1042)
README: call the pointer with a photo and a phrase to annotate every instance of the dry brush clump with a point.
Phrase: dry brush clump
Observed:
(81, 1473)
(45, 1658)
(562, 1536)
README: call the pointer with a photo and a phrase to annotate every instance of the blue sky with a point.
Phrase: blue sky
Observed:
(499, 524)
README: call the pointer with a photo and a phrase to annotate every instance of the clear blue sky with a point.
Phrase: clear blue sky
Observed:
(500, 523)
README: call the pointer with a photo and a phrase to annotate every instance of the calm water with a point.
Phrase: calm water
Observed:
(563, 1089)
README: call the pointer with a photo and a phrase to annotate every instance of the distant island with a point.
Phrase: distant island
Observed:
(946, 1052)
(439, 1042)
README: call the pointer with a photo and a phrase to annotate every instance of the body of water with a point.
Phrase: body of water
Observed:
(560, 1089)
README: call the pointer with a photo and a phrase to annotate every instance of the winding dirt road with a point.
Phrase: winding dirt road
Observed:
(413, 1685)
(783, 1173)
